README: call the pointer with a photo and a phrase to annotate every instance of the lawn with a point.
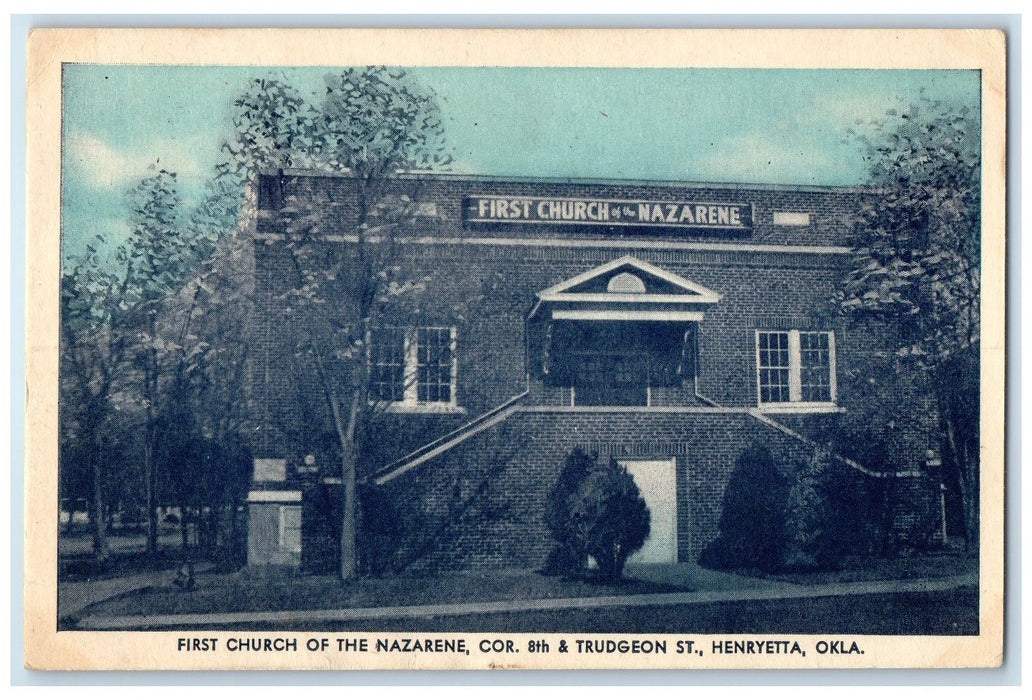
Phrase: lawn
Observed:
(247, 592)
(127, 554)
(901, 567)
(259, 590)
(938, 613)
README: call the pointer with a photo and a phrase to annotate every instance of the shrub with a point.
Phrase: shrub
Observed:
(810, 525)
(611, 518)
(565, 557)
(752, 522)
(595, 510)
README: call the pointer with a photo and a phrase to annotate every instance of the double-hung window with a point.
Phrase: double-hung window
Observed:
(795, 370)
(414, 368)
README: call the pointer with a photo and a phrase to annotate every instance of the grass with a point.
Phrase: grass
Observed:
(950, 613)
(127, 555)
(936, 613)
(259, 590)
(283, 590)
(902, 567)
(119, 564)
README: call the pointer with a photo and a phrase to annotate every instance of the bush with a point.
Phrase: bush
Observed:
(810, 524)
(612, 518)
(565, 558)
(752, 522)
(595, 510)
(805, 520)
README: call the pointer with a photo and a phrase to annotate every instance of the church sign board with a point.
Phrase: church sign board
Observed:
(734, 217)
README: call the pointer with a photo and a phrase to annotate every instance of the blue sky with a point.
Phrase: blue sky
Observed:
(712, 125)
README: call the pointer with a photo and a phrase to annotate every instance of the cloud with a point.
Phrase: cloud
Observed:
(104, 167)
(98, 173)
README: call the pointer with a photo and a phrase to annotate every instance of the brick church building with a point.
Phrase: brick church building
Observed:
(668, 325)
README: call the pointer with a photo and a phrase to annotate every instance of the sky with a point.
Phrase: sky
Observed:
(702, 125)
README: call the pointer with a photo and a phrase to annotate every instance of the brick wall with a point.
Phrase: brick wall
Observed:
(482, 504)
(488, 292)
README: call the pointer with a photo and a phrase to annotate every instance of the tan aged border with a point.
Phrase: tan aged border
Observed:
(45, 648)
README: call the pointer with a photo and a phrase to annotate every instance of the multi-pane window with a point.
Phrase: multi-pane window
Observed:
(795, 367)
(774, 367)
(388, 364)
(413, 366)
(434, 365)
(814, 367)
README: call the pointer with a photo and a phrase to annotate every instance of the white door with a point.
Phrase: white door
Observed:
(657, 481)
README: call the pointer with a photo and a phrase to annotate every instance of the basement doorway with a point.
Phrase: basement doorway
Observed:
(657, 481)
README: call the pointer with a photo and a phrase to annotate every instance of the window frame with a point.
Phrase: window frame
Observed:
(410, 401)
(795, 403)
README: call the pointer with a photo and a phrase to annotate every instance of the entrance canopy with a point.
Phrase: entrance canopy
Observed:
(617, 332)
(626, 289)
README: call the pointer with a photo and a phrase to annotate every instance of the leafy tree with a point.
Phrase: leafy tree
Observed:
(892, 416)
(916, 268)
(207, 331)
(158, 258)
(116, 342)
(206, 325)
(108, 318)
(375, 121)
(273, 128)
(595, 510)
(372, 123)
(93, 351)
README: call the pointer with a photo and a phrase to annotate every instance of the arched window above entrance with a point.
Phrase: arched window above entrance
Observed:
(625, 283)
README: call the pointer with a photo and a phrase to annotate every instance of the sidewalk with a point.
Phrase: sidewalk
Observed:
(765, 590)
(74, 596)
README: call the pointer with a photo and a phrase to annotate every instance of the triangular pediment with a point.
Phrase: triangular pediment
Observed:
(629, 280)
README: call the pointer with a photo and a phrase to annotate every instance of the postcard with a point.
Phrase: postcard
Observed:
(515, 349)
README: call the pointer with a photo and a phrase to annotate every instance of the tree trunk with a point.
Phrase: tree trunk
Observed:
(234, 532)
(152, 500)
(151, 395)
(956, 394)
(100, 543)
(213, 537)
(184, 530)
(348, 535)
(969, 484)
(348, 529)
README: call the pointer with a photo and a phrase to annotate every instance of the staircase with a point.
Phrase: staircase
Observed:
(444, 443)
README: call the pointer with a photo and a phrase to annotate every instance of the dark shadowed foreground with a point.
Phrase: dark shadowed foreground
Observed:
(900, 614)
(876, 596)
